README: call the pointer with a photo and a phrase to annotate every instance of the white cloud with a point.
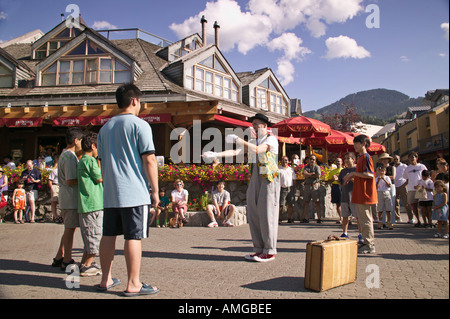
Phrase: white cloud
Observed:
(442, 54)
(404, 58)
(444, 26)
(269, 24)
(344, 47)
(2, 15)
(103, 25)
(290, 44)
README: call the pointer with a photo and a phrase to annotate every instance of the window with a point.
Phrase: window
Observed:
(266, 97)
(209, 76)
(6, 77)
(55, 43)
(86, 71)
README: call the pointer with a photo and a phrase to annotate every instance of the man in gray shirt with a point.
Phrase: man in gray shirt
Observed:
(311, 172)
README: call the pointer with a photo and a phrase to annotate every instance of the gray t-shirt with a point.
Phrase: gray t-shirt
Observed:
(221, 198)
(312, 169)
(67, 170)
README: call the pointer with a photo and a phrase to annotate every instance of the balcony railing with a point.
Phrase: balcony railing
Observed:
(434, 143)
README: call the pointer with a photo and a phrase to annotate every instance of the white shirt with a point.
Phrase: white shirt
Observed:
(271, 141)
(413, 173)
(429, 185)
(179, 196)
(399, 179)
(382, 183)
(287, 176)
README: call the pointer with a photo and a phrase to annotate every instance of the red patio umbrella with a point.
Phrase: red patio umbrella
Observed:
(374, 148)
(301, 126)
(336, 139)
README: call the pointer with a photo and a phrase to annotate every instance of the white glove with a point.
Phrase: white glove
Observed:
(210, 155)
(231, 138)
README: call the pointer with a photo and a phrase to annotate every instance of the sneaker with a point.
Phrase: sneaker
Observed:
(213, 224)
(390, 226)
(304, 221)
(360, 239)
(264, 258)
(380, 226)
(92, 270)
(445, 236)
(252, 257)
(411, 221)
(366, 249)
(344, 235)
(437, 235)
(227, 223)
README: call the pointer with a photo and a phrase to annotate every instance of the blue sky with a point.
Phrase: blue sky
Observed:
(321, 50)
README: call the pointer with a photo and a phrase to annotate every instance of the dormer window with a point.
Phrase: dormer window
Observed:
(86, 71)
(182, 51)
(55, 43)
(209, 76)
(265, 96)
(6, 77)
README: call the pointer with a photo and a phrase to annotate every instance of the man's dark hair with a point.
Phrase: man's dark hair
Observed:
(363, 139)
(73, 133)
(89, 139)
(125, 93)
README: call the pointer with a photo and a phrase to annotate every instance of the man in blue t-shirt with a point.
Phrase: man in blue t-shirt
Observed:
(127, 154)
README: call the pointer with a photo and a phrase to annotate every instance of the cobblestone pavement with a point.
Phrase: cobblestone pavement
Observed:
(204, 263)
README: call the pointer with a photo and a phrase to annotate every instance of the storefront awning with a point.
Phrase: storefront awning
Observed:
(156, 118)
(101, 120)
(229, 120)
(23, 122)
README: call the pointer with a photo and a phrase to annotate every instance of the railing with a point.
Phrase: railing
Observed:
(115, 34)
(434, 143)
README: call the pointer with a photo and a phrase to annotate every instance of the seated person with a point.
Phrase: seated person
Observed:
(220, 207)
(179, 201)
(162, 206)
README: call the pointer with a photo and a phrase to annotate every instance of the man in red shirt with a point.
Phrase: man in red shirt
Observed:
(364, 193)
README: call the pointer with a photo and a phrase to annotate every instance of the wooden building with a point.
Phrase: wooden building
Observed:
(69, 76)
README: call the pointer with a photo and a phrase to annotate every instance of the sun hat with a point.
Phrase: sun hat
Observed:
(385, 156)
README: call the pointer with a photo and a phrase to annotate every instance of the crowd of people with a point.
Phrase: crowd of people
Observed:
(120, 161)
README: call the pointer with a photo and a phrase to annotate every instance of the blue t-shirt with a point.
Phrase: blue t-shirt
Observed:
(121, 142)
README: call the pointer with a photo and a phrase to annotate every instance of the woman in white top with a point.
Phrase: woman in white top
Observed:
(179, 201)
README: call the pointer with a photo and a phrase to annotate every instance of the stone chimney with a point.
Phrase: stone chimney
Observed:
(203, 22)
(216, 33)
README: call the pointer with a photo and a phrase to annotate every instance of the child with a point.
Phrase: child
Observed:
(426, 204)
(364, 193)
(162, 206)
(440, 208)
(384, 197)
(90, 204)
(19, 202)
(220, 207)
(347, 208)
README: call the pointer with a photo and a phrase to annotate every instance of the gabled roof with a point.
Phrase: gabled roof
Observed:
(255, 78)
(388, 128)
(15, 62)
(55, 31)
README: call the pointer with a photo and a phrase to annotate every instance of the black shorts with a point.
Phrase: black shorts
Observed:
(426, 203)
(335, 194)
(131, 222)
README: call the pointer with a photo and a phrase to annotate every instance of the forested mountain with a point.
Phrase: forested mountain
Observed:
(378, 105)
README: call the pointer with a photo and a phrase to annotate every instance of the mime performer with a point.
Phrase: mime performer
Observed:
(263, 191)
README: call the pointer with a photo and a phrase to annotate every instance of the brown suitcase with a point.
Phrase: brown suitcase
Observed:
(330, 263)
